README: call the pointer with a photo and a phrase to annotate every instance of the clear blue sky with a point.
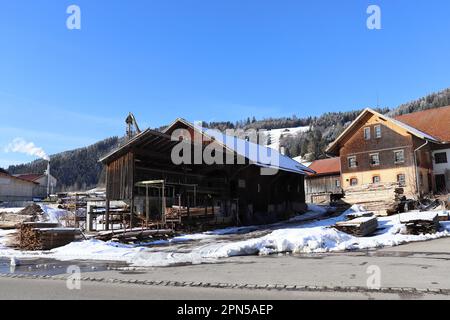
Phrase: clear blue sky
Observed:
(206, 60)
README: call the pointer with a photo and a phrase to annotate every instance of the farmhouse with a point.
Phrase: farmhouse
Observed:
(324, 186)
(145, 173)
(411, 150)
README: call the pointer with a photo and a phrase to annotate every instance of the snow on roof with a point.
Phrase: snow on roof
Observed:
(259, 155)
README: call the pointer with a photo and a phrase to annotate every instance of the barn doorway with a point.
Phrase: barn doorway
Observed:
(440, 183)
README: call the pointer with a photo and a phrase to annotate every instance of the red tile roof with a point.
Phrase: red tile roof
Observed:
(435, 122)
(17, 178)
(28, 176)
(326, 167)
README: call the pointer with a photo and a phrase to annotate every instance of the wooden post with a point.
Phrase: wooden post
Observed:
(163, 203)
(107, 213)
(131, 213)
(107, 199)
(147, 204)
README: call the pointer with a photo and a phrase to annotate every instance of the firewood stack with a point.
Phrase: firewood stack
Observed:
(383, 199)
(44, 236)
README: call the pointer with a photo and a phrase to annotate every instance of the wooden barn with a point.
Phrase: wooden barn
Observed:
(243, 188)
(324, 186)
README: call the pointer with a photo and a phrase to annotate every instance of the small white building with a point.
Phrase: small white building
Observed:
(441, 168)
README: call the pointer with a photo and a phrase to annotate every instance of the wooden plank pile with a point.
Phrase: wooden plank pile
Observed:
(134, 235)
(383, 199)
(44, 236)
(359, 227)
(420, 222)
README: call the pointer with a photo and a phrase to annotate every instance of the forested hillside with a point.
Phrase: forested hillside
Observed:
(75, 170)
(79, 169)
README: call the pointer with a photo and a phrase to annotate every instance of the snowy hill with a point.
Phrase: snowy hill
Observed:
(276, 134)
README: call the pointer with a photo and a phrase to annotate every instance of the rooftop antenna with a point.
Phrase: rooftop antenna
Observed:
(132, 126)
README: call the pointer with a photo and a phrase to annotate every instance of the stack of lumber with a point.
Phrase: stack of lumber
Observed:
(356, 215)
(383, 199)
(135, 234)
(175, 211)
(359, 227)
(44, 236)
(420, 222)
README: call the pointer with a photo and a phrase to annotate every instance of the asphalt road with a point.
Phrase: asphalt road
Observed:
(31, 289)
(422, 266)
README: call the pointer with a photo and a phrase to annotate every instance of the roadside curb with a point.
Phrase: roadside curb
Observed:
(266, 287)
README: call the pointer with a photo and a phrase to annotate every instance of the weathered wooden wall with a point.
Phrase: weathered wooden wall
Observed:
(120, 178)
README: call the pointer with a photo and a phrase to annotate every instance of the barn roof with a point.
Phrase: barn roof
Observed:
(257, 154)
(29, 176)
(4, 173)
(325, 167)
(435, 122)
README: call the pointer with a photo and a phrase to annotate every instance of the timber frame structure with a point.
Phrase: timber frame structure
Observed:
(159, 192)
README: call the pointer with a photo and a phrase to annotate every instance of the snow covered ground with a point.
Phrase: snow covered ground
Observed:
(11, 210)
(296, 236)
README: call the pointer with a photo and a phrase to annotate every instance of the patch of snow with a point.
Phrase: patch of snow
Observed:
(53, 214)
(424, 216)
(276, 134)
(11, 210)
(316, 208)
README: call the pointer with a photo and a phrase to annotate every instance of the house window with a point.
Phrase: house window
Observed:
(440, 157)
(367, 133)
(241, 183)
(353, 182)
(289, 188)
(376, 179)
(338, 183)
(375, 159)
(378, 131)
(399, 156)
(259, 188)
(401, 179)
(352, 162)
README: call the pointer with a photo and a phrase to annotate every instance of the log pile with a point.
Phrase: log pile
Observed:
(359, 227)
(383, 199)
(420, 222)
(10, 220)
(44, 236)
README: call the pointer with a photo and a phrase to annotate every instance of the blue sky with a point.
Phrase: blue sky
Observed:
(206, 60)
